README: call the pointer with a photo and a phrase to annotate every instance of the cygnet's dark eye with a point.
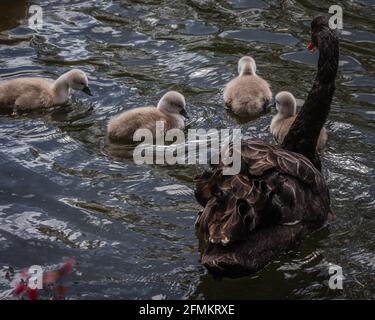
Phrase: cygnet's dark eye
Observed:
(177, 105)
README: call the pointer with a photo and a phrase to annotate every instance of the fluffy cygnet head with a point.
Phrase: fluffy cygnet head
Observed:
(247, 66)
(286, 104)
(173, 102)
(77, 80)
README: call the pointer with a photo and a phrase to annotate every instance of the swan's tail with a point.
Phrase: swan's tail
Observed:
(228, 206)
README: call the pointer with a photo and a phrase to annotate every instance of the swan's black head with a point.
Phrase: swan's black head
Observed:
(320, 23)
(319, 26)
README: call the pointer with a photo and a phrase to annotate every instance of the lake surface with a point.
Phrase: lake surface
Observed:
(130, 229)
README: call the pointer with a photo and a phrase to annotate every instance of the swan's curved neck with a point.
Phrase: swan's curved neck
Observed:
(247, 70)
(61, 88)
(304, 133)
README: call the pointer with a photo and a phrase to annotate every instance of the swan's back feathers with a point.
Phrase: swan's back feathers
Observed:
(248, 94)
(124, 125)
(274, 187)
(26, 93)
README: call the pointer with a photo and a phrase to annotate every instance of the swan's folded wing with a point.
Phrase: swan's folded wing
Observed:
(274, 186)
(260, 157)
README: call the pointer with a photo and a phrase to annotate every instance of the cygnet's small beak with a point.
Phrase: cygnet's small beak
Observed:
(87, 90)
(184, 113)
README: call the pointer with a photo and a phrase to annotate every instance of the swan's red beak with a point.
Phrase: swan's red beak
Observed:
(310, 46)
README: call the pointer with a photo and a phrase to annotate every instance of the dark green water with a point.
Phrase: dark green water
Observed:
(130, 228)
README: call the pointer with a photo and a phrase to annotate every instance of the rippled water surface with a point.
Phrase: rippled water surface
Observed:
(130, 228)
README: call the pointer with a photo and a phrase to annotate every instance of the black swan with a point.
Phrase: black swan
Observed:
(280, 195)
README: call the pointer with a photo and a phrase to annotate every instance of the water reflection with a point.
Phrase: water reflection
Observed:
(66, 192)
